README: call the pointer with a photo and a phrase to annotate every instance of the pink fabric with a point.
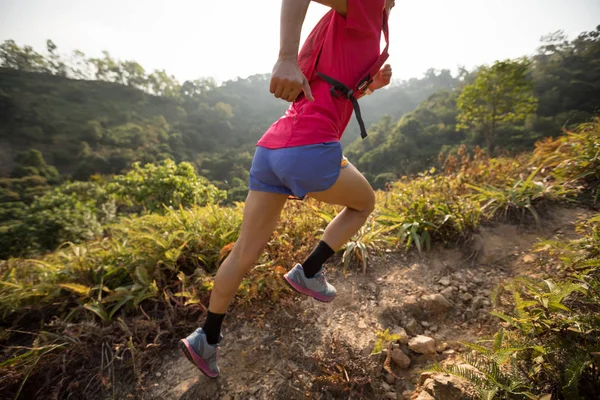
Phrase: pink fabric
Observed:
(349, 47)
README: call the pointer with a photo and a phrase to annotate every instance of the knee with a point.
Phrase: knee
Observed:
(367, 205)
(244, 255)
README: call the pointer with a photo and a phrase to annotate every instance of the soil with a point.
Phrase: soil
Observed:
(303, 349)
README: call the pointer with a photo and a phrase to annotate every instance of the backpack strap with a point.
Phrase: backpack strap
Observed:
(338, 89)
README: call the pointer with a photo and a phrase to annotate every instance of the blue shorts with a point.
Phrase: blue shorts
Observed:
(296, 171)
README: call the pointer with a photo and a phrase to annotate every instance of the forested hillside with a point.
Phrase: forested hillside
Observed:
(565, 79)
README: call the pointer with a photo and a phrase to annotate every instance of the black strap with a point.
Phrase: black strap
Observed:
(338, 89)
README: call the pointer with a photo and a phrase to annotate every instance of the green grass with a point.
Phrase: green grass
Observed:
(160, 267)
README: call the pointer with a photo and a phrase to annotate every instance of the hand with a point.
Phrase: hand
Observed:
(288, 81)
(382, 78)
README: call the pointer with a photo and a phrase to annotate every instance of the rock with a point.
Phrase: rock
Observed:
(400, 359)
(433, 328)
(435, 304)
(402, 333)
(406, 395)
(390, 396)
(158, 374)
(447, 387)
(466, 296)
(486, 302)
(412, 327)
(424, 396)
(389, 379)
(385, 387)
(463, 288)
(448, 292)
(422, 345)
(180, 390)
(477, 302)
(226, 397)
(445, 281)
(425, 324)
(528, 259)
(441, 347)
(424, 376)
(362, 324)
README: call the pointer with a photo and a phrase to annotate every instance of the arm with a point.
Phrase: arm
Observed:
(287, 80)
(341, 6)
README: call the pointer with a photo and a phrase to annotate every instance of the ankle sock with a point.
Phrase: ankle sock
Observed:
(212, 327)
(316, 259)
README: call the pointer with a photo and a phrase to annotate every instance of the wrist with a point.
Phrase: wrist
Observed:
(287, 56)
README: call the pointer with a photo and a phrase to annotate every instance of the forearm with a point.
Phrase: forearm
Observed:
(293, 13)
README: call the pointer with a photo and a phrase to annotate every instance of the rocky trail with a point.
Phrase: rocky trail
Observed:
(305, 349)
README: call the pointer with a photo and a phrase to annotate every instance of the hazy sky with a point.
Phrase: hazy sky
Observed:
(226, 39)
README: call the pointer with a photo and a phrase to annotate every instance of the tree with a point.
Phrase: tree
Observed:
(501, 93)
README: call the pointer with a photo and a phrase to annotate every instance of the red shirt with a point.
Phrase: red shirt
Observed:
(350, 46)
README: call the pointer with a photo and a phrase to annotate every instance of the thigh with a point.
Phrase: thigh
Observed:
(261, 213)
(351, 190)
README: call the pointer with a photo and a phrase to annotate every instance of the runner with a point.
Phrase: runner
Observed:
(300, 154)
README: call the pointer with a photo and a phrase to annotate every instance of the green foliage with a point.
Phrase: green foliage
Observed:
(152, 187)
(137, 261)
(429, 208)
(72, 212)
(574, 157)
(551, 340)
(384, 338)
(500, 94)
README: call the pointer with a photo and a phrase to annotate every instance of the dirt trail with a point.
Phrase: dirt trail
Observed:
(278, 355)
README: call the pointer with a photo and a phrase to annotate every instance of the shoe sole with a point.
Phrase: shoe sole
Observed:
(306, 292)
(195, 359)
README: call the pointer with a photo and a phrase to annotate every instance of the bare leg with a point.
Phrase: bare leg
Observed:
(353, 191)
(261, 213)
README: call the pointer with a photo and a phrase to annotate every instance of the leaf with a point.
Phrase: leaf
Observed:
(76, 288)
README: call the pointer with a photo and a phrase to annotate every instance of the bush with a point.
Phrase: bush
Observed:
(551, 340)
(152, 187)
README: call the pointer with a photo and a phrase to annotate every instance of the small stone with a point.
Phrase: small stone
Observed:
(385, 387)
(448, 292)
(427, 332)
(158, 374)
(441, 347)
(463, 288)
(433, 328)
(400, 359)
(401, 333)
(528, 259)
(424, 396)
(361, 324)
(389, 379)
(413, 327)
(406, 395)
(477, 303)
(466, 296)
(486, 302)
(435, 304)
(448, 352)
(425, 324)
(445, 281)
(391, 396)
(226, 397)
(422, 345)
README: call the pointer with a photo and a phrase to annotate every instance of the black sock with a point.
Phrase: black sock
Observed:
(316, 259)
(212, 327)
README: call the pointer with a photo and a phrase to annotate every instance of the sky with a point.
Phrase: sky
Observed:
(237, 38)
